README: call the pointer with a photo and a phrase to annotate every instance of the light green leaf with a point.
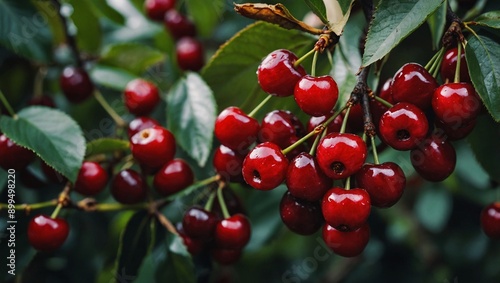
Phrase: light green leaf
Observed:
(337, 13)
(132, 57)
(102, 8)
(191, 113)
(393, 21)
(484, 141)
(51, 134)
(106, 145)
(111, 77)
(89, 32)
(437, 22)
(318, 8)
(206, 14)
(483, 59)
(433, 208)
(489, 19)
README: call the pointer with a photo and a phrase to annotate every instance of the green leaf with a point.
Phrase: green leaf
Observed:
(337, 13)
(24, 31)
(489, 19)
(3, 180)
(132, 57)
(102, 8)
(318, 8)
(393, 21)
(180, 264)
(51, 134)
(111, 77)
(134, 245)
(191, 113)
(484, 140)
(437, 22)
(206, 14)
(89, 32)
(483, 59)
(433, 208)
(106, 145)
(47, 10)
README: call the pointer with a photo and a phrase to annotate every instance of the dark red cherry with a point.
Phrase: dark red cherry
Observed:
(228, 163)
(153, 147)
(193, 246)
(333, 127)
(235, 129)
(316, 96)
(490, 220)
(128, 187)
(190, 54)
(173, 177)
(156, 9)
(13, 156)
(280, 127)
(179, 25)
(47, 234)
(141, 97)
(76, 84)
(434, 158)
(341, 155)
(412, 83)
(384, 183)
(305, 179)
(456, 103)
(346, 210)
(226, 256)
(277, 74)
(300, 216)
(199, 223)
(449, 66)
(233, 232)
(139, 124)
(346, 243)
(265, 167)
(91, 180)
(455, 131)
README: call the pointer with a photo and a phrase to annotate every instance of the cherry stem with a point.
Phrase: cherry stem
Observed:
(70, 39)
(38, 83)
(102, 101)
(312, 152)
(7, 105)
(210, 201)
(374, 149)
(63, 197)
(348, 183)
(301, 59)
(438, 63)
(383, 101)
(29, 207)
(313, 66)
(457, 68)
(166, 223)
(435, 62)
(258, 107)
(222, 202)
(346, 117)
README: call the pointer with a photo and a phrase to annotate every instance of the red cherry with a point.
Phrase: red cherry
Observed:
(153, 147)
(128, 187)
(235, 129)
(490, 220)
(449, 66)
(316, 96)
(190, 54)
(280, 127)
(384, 183)
(156, 9)
(173, 177)
(341, 155)
(141, 97)
(346, 210)
(193, 246)
(76, 84)
(300, 216)
(346, 243)
(233, 232)
(412, 83)
(277, 74)
(456, 104)
(91, 180)
(264, 168)
(139, 124)
(228, 163)
(226, 256)
(305, 179)
(13, 156)
(199, 223)
(457, 131)
(179, 25)
(434, 159)
(333, 127)
(403, 126)
(47, 234)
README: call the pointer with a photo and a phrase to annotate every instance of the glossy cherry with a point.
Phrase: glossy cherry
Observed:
(194, 246)
(153, 147)
(47, 234)
(13, 156)
(128, 187)
(316, 96)
(141, 97)
(190, 54)
(414, 84)
(233, 232)
(346, 210)
(449, 66)
(277, 74)
(341, 155)
(226, 256)
(490, 220)
(228, 163)
(199, 223)
(280, 127)
(156, 9)
(456, 104)
(265, 167)
(235, 129)
(139, 124)
(434, 159)
(179, 25)
(91, 180)
(346, 243)
(173, 177)
(403, 126)
(76, 84)
(385, 183)
(305, 179)
(300, 216)
(333, 127)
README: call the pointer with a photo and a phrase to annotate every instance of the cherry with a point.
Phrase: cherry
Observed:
(76, 84)
(316, 96)
(434, 159)
(412, 83)
(156, 9)
(193, 246)
(190, 54)
(456, 131)
(199, 223)
(384, 183)
(139, 124)
(228, 163)
(456, 104)
(128, 187)
(346, 243)
(91, 180)
(43, 100)
(173, 177)
(264, 168)
(141, 97)
(13, 156)
(47, 234)
(346, 210)
(490, 220)
(305, 179)
(226, 256)
(178, 25)
(300, 216)
(341, 155)
(233, 232)
(235, 129)
(333, 127)
(280, 127)
(153, 147)
(449, 66)
(277, 74)
(403, 126)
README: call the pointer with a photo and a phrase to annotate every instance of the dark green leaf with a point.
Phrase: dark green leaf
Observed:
(484, 142)
(106, 145)
(206, 14)
(318, 8)
(433, 208)
(102, 8)
(114, 78)
(393, 21)
(23, 30)
(191, 113)
(180, 263)
(134, 245)
(437, 22)
(47, 10)
(3, 180)
(132, 57)
(490, 19)
(51, 134)
(155, 263)
(89, 32)
(483, 57)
